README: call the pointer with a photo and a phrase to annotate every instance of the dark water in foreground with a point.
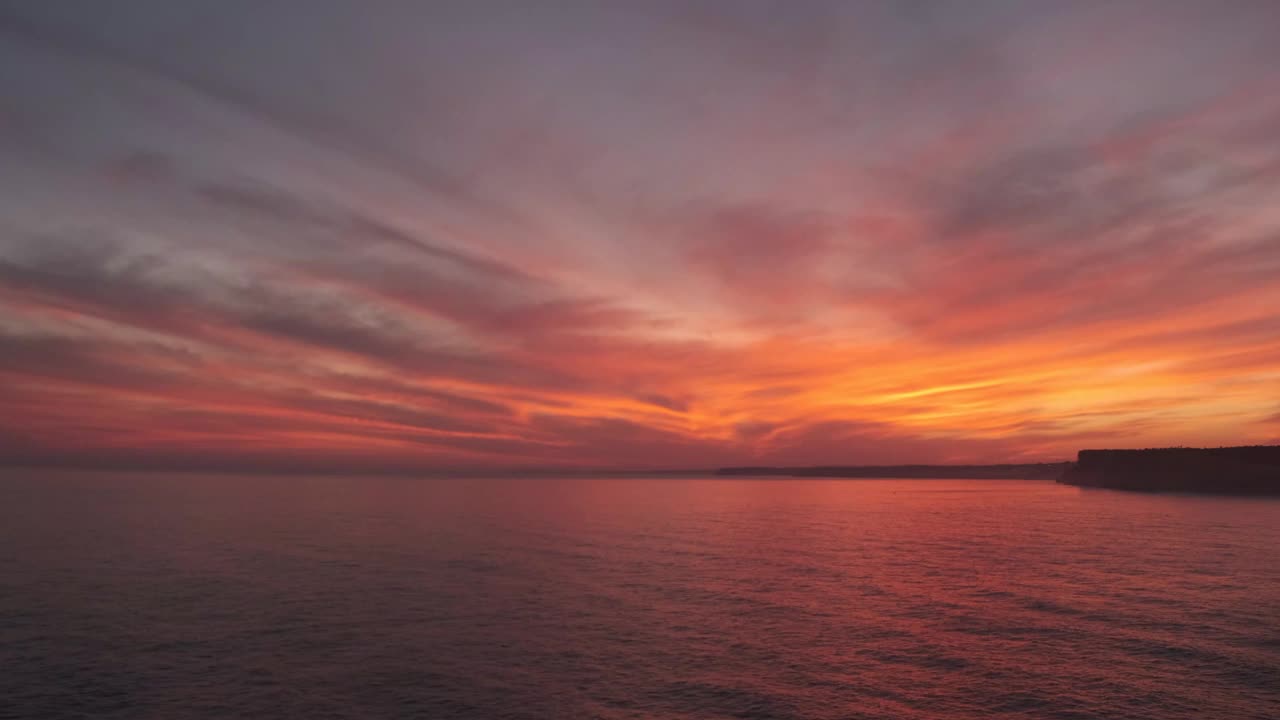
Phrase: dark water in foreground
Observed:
(152, 596)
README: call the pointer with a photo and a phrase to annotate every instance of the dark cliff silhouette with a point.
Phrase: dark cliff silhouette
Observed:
(1249, 470)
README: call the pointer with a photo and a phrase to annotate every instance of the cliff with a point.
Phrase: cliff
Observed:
(1251, 470)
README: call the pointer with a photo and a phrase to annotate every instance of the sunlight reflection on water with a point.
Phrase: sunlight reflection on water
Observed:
(187, 596)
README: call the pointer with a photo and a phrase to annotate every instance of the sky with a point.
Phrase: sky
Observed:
(373, 234)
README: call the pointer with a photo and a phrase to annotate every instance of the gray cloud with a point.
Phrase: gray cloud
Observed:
(468, 214)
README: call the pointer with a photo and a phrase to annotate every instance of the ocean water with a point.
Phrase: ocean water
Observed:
(184, 596)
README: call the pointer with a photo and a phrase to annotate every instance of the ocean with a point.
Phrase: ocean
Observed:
(169, 596)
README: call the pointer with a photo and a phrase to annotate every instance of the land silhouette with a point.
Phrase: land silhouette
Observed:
(1246, 470)
(1023, 471)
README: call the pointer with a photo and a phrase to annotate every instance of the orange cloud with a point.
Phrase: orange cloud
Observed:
(829, 240)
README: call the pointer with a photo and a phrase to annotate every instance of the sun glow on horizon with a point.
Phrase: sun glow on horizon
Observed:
(858, 240)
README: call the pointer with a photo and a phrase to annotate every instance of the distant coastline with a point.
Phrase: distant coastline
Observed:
(1023, 471)
(1247, 470)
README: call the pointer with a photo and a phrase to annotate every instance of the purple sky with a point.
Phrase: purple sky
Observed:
(406, 234)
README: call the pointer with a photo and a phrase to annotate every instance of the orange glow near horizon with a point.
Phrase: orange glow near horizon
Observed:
(751, 248)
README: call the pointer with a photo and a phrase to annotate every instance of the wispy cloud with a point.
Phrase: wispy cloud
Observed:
(665, 234)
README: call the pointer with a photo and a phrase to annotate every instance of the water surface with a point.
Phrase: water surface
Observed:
(174, 596)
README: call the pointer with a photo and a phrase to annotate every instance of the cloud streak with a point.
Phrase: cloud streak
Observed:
(665, 235)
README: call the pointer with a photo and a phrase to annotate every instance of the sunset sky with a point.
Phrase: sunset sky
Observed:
(322, 234)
